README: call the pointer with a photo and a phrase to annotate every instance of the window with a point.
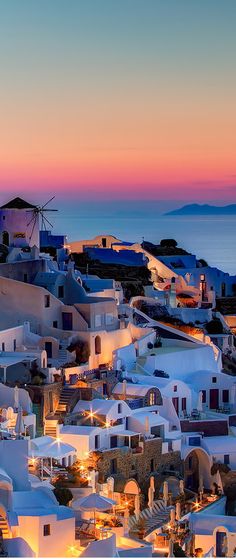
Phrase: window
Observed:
(194, 441)
(203, 396)
(225, 396)
(14, 345)
(5, 238)
(98, 345)
(175, 388)
(190, 462)
(60, 291)
(25, 278)
(109, 318)
(119, 408)
(226, 459)
(47, 301)
(54, 324)
(152, 398)
(98, 320)
(214, 380)
(113, 467)
(47, 530)
(3, 346)
(67, 321)
(96, 441)
(152, 465)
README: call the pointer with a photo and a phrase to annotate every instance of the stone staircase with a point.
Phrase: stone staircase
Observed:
(4, 528)
(66, 397)
(63, 355)
(152, 518)
(65, 403)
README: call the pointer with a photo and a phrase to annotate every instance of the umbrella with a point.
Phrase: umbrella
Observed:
(137, 506)
(152, 483)
(233, 394)
(110, 487)
(181, 487)
(126, 520)
(95, 503)
(201, 486)
(150, 497)
(19, 428)
(146, 427)
(199, 402)
(16, 397)
(124, 389)
(165, 492)
(178, 510)
(171, 548)
(172, 516)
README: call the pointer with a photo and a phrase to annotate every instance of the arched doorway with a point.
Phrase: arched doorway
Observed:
(221, 542)
(6, 490)
(132, 487)
(98, 345)
(197, 466)
(5, 238)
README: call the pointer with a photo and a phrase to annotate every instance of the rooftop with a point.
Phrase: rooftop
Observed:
(17, 204)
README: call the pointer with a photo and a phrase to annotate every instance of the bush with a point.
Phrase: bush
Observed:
(202, 262)
(168, 243)
(178, 551)
(82, 351)
(63, 495)
(214, 326)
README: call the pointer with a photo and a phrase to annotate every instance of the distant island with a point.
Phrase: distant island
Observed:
(204, 209)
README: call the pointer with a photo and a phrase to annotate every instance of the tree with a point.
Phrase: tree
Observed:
(218, 467)
(37, 376)
(215, 326)
(202, 262)
(82, 351)
(63, 495)
(178, 551)
(168, 243)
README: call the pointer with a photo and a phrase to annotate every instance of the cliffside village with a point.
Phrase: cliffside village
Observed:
(117, 396)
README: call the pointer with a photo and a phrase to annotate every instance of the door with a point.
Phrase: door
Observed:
(113, 441)
(67, 321)
(223, 289)
(48, 349)
(221, 544)
(184, 404)
(214, 398)
(176, 404)
(104, 242)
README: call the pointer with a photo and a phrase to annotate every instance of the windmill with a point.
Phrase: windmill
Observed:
(38, 212)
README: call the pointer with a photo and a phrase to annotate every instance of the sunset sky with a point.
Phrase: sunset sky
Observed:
(118, 98)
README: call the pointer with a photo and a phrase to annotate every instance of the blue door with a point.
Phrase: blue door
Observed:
(221, 541)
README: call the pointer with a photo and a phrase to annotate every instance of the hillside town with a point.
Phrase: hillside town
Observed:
(117, 396)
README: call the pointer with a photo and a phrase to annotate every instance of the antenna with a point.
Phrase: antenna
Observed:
(40, 211)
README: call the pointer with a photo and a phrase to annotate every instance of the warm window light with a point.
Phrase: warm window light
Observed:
(58, 439)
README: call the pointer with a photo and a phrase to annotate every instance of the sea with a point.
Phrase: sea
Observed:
(210, 237)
